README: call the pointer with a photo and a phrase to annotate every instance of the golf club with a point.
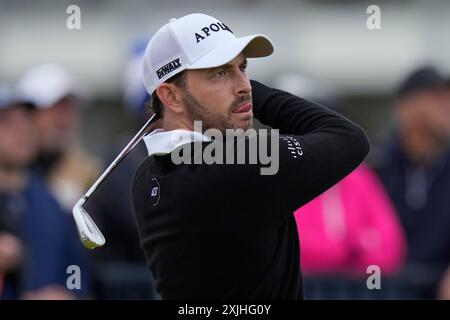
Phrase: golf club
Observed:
(90, 234)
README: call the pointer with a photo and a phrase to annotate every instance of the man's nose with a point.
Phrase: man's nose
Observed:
(243, 85)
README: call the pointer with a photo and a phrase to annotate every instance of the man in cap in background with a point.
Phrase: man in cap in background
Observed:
(225, 231)
(57, 98)
(35, 248)
(416, 167)
(16, 151)
(61, 162)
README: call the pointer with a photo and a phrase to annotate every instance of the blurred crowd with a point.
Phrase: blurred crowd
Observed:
(43, 170)
(394, 213)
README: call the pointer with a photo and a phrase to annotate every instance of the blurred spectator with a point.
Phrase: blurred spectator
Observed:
(15, 152)
(444, 286)
(34, 246)
(416, 167)
(349, 227)
(68, 170)
(352, 225)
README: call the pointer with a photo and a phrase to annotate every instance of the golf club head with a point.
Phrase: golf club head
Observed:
(90, 235)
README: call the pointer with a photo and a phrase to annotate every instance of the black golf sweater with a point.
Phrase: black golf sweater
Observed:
(226, 231)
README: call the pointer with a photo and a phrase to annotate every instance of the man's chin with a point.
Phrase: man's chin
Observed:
(243, 124)
(232, 125)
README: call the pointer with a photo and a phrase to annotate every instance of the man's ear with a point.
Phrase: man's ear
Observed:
(170, 96)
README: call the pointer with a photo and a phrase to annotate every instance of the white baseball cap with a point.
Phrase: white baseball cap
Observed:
(196, 41)
(44, 85)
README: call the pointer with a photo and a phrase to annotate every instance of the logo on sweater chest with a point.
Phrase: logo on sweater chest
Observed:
(293, 146)
(155, 190)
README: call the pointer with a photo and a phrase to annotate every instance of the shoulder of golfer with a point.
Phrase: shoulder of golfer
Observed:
(318, 147)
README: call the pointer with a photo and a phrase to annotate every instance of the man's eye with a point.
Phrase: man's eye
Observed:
(220, 73)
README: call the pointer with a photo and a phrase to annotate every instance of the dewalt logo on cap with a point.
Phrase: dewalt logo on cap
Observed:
(168, 68)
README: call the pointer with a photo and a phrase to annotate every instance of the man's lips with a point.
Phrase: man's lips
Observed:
(245, 107)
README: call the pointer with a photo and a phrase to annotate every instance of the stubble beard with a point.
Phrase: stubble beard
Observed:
(214, 120)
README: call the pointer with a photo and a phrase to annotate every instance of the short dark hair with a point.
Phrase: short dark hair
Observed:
(155, 104)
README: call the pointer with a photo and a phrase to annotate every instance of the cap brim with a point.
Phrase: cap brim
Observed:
(254, 46)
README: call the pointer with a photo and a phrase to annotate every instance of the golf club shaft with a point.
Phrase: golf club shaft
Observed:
(136, 139)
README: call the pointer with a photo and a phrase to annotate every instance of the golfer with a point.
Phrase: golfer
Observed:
(227, 231)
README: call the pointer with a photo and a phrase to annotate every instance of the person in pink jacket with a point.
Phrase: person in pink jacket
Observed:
(349, 227)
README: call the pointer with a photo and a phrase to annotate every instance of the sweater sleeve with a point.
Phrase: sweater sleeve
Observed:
(317, 146)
